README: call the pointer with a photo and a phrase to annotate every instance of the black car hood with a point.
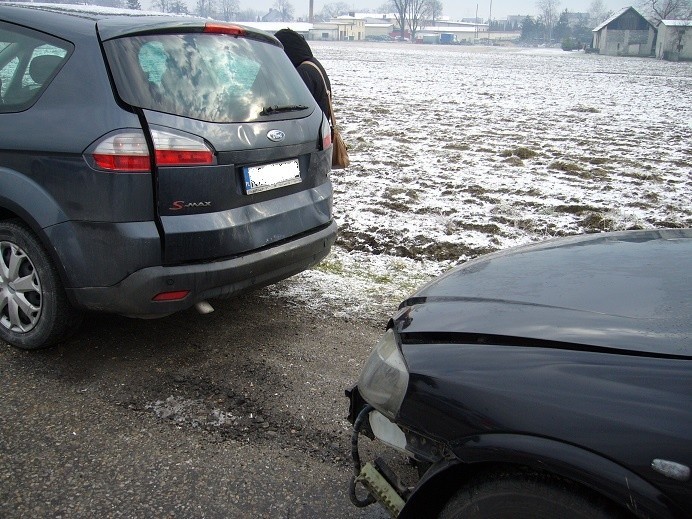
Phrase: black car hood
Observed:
(627, 290)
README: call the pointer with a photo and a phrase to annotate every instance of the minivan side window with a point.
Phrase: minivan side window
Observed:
(28, 62)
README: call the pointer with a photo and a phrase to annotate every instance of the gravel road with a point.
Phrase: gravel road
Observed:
(239, 413)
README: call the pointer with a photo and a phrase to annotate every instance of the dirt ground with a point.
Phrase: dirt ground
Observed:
(239, 413)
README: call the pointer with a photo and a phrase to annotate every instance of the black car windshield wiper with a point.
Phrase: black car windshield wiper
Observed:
(271, 110)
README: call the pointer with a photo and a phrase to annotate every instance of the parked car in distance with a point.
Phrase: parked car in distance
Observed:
(149, 163)
(551, 380)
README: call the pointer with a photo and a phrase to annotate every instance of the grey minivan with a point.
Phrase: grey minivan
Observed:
(148, 163)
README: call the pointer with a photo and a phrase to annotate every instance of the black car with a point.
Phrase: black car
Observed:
(551, 380)
(148, 163)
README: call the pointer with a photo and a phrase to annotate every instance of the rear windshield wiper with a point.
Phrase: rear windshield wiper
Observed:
(271, 110)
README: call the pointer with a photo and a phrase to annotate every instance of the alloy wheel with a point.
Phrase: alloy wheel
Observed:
(20, 289)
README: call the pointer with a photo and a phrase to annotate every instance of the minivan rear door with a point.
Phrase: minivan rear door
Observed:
(234, 91)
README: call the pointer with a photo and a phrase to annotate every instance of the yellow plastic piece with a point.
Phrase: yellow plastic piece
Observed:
(380, 489)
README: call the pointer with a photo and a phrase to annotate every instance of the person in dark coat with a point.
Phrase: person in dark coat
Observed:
(298, 51)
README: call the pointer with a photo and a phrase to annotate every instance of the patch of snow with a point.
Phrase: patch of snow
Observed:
(456, 151)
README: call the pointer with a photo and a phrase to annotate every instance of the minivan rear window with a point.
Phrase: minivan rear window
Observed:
(210, 77)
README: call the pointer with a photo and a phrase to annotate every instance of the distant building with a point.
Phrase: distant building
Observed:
(374, 31)
(350, 28)
(373, 17)
(626, 33)
(272, 16)
(452, 33)
(302, 28)
(323, 31)
(450, 23)
(674, 41)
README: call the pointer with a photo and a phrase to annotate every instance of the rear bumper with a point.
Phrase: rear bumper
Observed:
(133, 295)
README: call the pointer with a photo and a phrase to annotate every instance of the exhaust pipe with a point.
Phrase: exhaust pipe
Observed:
(203, 307)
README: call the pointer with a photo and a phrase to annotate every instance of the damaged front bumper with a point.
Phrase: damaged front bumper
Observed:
(380, 482)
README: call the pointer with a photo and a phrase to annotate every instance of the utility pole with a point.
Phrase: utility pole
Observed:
(490, 20)
(311, 15)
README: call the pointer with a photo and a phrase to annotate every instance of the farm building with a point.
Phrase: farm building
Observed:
(350, 28)
(674, 40)
(456, 33)
(626, 33)
(344, 30)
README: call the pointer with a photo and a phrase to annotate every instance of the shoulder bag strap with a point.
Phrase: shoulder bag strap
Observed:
(329, 94)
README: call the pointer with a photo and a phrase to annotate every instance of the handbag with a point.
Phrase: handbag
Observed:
(340, 158)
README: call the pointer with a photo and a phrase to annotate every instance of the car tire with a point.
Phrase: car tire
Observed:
(525, 495)
(34, 309)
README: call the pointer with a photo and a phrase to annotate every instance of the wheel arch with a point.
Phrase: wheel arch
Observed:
(591, 472)
(18, 193)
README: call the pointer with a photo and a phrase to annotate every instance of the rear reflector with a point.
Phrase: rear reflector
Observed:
(171, 296)
(222, 28)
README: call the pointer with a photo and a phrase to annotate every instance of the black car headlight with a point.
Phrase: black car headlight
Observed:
(384, 378)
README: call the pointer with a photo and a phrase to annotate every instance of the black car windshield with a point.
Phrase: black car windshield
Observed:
(211, 77)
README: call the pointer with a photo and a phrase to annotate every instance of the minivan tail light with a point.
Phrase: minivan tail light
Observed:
(326, 133)
(180, 150)
(125, 152)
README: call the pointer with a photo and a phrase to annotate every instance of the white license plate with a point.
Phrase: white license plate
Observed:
(271, 176)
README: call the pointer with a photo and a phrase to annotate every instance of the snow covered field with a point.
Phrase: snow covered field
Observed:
(457, 151)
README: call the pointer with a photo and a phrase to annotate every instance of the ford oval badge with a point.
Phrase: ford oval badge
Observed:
(276, 135)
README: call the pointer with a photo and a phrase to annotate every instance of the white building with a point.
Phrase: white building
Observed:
(674, 41)
(459, 33)
(626, 33)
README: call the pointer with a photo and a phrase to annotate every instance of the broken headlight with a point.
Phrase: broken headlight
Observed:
(384, 378)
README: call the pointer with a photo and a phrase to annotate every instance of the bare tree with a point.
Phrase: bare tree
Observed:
(400, 9)
(334, 9)
(417, 13)
(228, 9)
(434, 10)
(550, 14)
(177, 6)
(162, 5)
(598, 13)
(659, 10)
(285, 9)
(206, 8)
(134, 4)
(248, 15)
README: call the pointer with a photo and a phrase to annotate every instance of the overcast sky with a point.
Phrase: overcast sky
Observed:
(456, 9)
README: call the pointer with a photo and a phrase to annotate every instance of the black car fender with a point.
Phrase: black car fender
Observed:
(23, 198)
(592, 471)
(19, 192)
